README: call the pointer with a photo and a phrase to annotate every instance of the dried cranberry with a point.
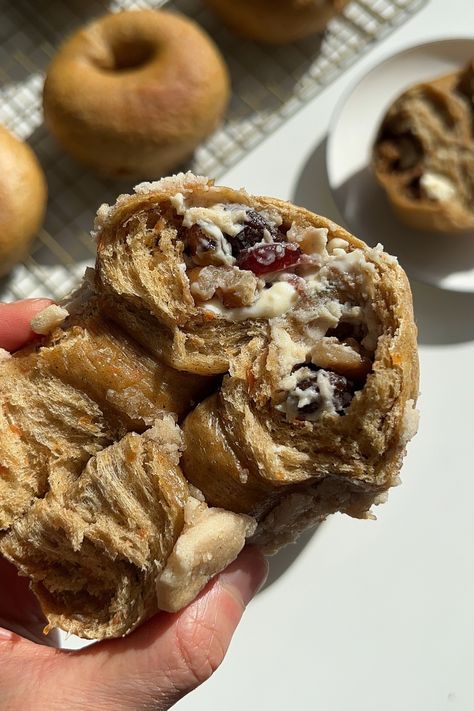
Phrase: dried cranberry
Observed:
(253, 233)
(269, 258)
(297, 282)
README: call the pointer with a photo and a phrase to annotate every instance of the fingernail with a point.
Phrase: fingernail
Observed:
(7, 634)
(37, 300)
(245, 576)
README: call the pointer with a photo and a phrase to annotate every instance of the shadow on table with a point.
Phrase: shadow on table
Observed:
(312, 187)
(284, 559)
(443, 316)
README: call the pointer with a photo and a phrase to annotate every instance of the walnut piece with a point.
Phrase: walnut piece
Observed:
(234, 287)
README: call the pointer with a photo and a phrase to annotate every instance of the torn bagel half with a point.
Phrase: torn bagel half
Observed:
(284, 346)
(423, 155)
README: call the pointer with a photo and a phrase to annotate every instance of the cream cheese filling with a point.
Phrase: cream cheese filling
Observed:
(215, 219)
(325, 258)
(297, 398)
(272, 302)
(437, 187)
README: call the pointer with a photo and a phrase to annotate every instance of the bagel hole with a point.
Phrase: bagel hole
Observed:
(130, 55)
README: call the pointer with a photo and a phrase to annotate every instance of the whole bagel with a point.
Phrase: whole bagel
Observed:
(277, 21)
(23, 195)
(134, 93)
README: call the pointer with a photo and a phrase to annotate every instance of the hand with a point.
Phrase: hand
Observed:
(153, 667)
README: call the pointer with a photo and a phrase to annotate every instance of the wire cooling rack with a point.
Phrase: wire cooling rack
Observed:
(270, 84)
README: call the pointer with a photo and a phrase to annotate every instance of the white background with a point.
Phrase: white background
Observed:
(372, 616)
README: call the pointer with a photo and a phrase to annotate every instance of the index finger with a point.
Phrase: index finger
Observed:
(15, 329)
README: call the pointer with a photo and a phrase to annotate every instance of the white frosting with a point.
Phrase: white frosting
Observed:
(437, 187)
(275, 301)
(322, 391)
(316, 274)
(214, 221)
(213, 218)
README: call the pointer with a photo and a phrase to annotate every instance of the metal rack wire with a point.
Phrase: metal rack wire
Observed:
(270, 84)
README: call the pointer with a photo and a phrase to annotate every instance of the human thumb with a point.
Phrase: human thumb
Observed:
(166, 657)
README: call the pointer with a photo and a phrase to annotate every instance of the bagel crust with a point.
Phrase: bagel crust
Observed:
(277, 21)
(133, 93)
(22, 199)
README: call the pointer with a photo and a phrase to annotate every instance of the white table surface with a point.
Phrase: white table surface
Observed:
(372, 616)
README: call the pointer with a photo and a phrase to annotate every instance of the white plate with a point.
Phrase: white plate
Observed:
(443, 260)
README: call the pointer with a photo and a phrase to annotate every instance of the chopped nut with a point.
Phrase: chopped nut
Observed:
(343, 358)
(235, 288)
(311, 240)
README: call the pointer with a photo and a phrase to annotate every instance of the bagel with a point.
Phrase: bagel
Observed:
(423, 155)
(23, 195)
(285, 349)
(134, 93)
(277, 21)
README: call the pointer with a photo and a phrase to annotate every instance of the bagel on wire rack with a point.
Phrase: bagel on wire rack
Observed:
(284, 346)
(133, 93)
(23, 195)
(277, 21)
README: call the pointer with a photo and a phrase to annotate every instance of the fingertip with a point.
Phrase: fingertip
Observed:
(15, 319)
(205, 628)
(246, 575)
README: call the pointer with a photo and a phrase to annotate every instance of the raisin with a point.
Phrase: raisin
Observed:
(269, 258)
(195, 240)
(343, 390)
(201, 247)
(253, 233)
